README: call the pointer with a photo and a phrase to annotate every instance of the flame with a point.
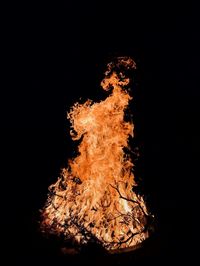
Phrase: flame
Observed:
(93, 199)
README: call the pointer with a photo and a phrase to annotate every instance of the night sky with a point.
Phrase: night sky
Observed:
(55, 54)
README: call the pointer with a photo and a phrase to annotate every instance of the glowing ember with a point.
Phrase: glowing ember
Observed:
(94, 200)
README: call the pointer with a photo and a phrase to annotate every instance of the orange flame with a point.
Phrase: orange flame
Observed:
(94, 198)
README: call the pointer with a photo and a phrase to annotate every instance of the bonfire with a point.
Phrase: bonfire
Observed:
(94, 199)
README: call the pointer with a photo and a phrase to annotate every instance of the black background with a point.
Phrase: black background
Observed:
(53, 54)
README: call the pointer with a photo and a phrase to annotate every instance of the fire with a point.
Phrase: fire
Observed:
(93, 199)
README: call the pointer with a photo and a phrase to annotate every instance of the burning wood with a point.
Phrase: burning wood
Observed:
(94, 200)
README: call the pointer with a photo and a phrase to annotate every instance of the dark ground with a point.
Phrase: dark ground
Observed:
(55, 54)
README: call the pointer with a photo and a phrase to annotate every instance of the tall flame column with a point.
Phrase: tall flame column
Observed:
(93, 199)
